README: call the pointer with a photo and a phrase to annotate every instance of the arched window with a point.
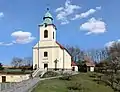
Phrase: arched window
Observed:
(53, 35)
(45, 54)
(45, 34)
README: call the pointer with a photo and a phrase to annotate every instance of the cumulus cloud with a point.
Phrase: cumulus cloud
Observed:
(1, 14)
(22, 37)
(110, 44)
(94, 26)
(86, 14)
(64, 12)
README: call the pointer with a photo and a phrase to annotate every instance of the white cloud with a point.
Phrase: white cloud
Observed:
(98, 8)
(110, 44)
(1, 14)
(59, 9)
(6, 44)
(94, 26)
(64, 22)
(64, 12)
(86, 14)
(22, 37)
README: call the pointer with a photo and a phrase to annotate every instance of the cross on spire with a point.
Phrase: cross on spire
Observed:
(48, 7)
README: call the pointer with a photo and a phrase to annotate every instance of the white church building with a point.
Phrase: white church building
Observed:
(48, 53)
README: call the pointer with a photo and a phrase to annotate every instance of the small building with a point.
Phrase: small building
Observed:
(8, 75)
(13, 77)
(74, 66)
(89, 64)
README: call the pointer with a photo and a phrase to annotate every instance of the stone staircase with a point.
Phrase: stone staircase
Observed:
(39, 73)
(36, 72)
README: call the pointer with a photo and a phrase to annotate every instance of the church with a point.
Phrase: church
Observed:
(48, 54)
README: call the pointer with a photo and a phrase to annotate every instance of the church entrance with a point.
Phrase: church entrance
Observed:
(46, 66)
(73, 68)
(3, 78)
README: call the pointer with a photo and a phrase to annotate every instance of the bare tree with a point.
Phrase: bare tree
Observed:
(76, 53)
(17, 62)
(28, 61)
(97, 55)
(114, 56)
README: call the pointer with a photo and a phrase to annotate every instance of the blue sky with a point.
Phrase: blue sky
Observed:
(84, 23)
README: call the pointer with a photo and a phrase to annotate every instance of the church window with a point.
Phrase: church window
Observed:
(53, 35)
(45, 34)
(45, 54)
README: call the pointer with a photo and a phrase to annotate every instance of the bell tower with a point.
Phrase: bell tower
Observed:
(47, 28)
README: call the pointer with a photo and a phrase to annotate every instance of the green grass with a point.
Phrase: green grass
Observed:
(56, 85)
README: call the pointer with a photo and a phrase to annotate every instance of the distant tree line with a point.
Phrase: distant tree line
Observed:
(18, 62)
(96, 55)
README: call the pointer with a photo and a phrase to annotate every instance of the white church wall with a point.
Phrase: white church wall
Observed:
(67, 60)
(76, 68)
(44, 45)
(35, 57)
(60, 58)
(14, 78)
(52, 56)
(92, 69)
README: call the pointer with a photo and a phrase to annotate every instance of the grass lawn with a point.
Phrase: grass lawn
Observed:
(57, 85)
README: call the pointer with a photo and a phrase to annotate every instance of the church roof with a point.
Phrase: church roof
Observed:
(73, 63)
(88, 61)
(62, 47)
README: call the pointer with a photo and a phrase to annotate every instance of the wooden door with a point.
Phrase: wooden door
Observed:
(73, 68)
(3, 78)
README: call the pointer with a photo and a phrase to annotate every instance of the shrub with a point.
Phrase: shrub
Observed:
(1, 66)
(66, 76)
(74, 86)
(50, 74)
(93, 75)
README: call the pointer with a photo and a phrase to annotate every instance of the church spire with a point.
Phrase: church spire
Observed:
(48, 15)
(48, 19)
